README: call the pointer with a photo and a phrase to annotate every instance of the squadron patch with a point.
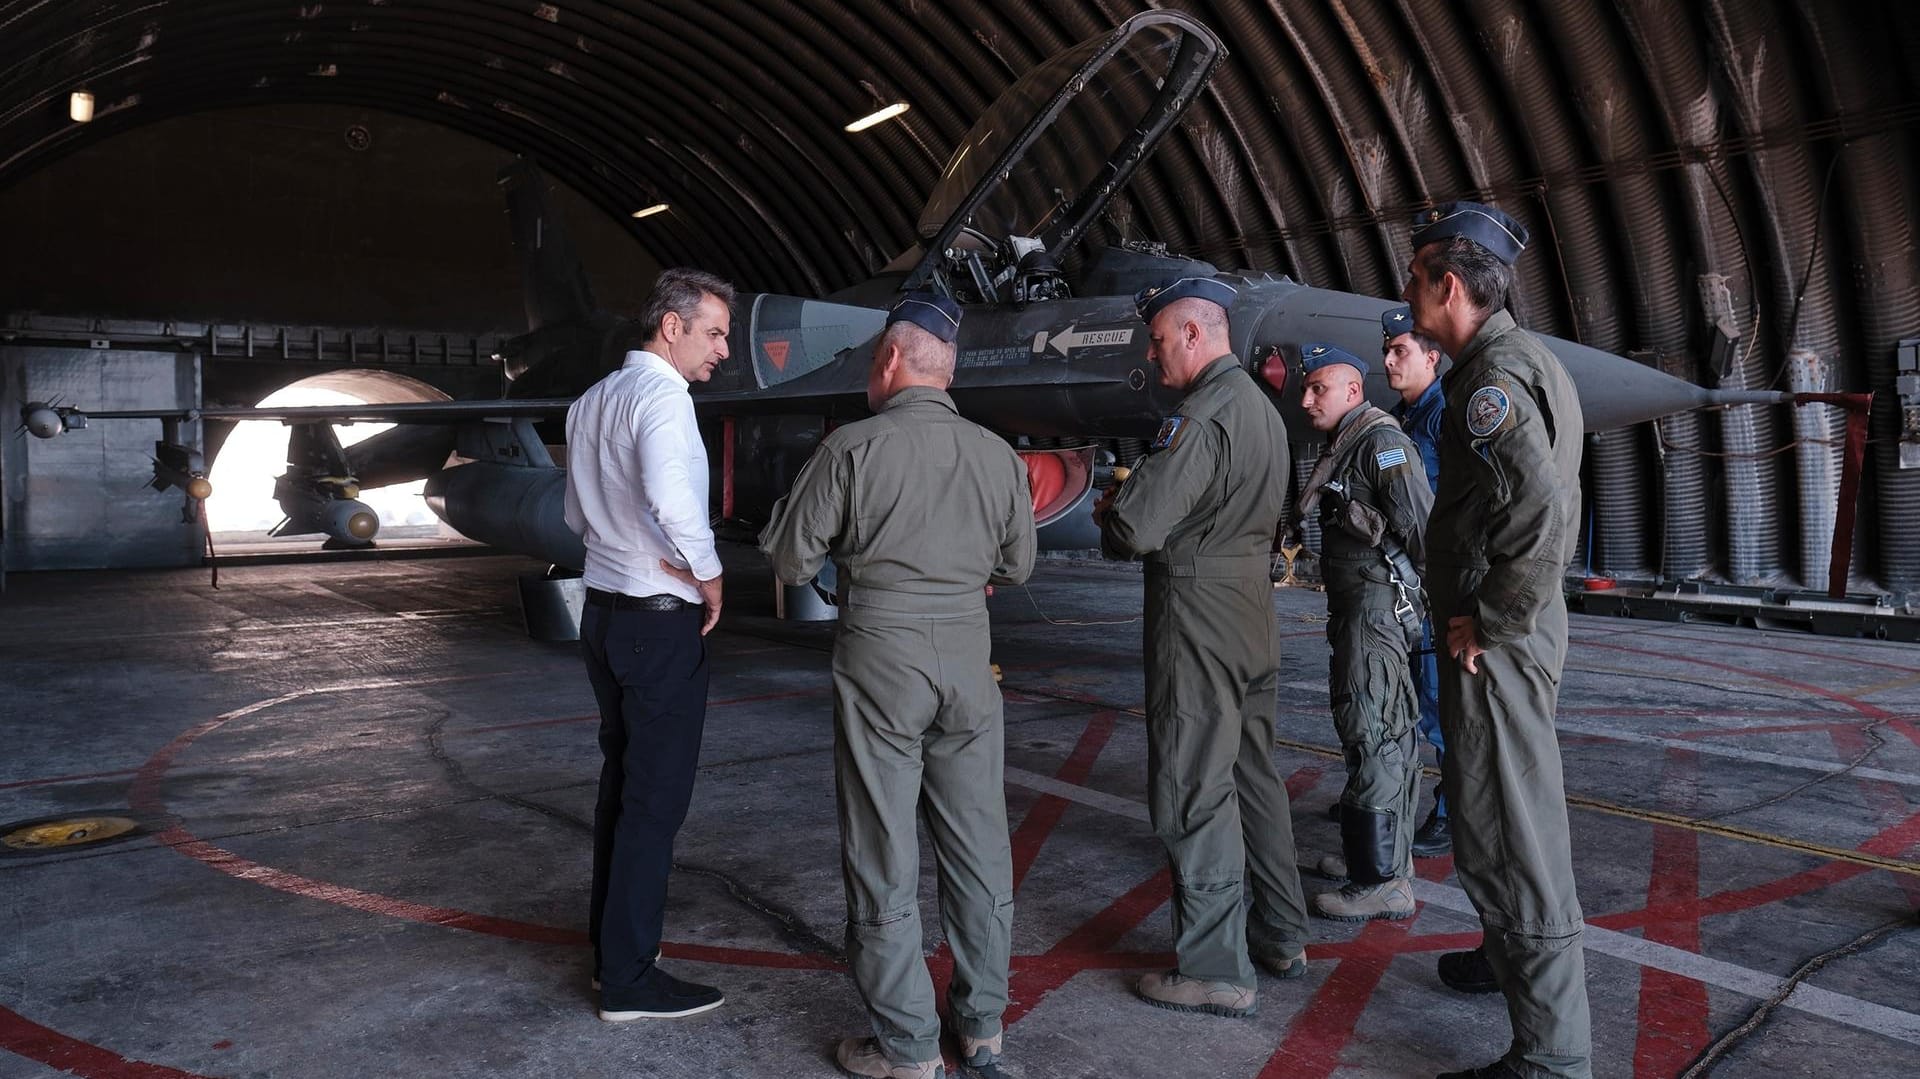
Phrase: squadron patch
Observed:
(1390, 458)
(1169, 434)
(1487, 409)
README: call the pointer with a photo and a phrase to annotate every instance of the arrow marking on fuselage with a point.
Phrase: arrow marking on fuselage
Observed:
(1069, 339)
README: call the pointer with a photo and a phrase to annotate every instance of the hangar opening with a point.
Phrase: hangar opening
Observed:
(243, 514)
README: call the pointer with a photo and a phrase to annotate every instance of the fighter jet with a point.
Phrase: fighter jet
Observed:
(1051, 352)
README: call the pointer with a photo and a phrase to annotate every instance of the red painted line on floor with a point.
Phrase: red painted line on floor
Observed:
(1860, 706)
(529, 723)
(1412, 944)
(1771, 647)
(1119, 918)
(1319, 1034)
(1892, 842)
(240, 868)
(1323, 1029)
(1673, 1013)
(233, 865)
(1911, 732)
(24, 1037)
(1304, 780)
(595, 718)
(1035, 977)
(145, 797)
(65, 779)
(1701, 713)
(1851, 723)
(1888, 798)
(1046, 811)
(746, 957)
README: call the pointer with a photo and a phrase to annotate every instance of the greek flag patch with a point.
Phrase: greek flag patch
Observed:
(1389, 458)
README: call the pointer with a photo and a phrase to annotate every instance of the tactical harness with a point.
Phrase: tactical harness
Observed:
(1368, 524)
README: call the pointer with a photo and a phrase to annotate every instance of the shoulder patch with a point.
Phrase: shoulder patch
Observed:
(1170, 431)
(1487, 409)
(1390, 458)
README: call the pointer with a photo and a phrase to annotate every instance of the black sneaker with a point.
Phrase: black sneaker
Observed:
(1435, 838)
(1468, 972)
(659, 996)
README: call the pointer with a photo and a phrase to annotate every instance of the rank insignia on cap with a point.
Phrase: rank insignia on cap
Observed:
(1149, 302)
(1390, 458)
(1169, 434)
(1314, 356)
(1491, 228)
(1487, 409)
(1395, 321)
(937, 315)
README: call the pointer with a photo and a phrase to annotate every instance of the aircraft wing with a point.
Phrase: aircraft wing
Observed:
(505, 408)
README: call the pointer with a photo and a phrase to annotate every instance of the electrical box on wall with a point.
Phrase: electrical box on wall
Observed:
(1906, 387)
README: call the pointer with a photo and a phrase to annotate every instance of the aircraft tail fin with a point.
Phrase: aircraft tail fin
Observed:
(554, 280)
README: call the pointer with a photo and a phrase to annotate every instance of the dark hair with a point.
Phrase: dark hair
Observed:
(680, 291)
(1487, 279)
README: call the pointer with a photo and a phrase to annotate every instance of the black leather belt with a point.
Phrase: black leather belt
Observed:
(619, 602)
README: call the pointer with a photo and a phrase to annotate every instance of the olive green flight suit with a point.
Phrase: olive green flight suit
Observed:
(920, 510)
(1502, 534)
(1202, 511)
(1375, 710)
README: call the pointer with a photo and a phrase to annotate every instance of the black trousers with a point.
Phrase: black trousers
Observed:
(649, 674)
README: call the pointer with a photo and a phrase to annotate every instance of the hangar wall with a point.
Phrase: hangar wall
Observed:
(269, 214)
(1723, 188)
(84, 503)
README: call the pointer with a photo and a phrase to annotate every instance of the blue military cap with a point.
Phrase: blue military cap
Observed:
(1150, 301)
(1314, 355)
(1484, 225)
(937, 315)
(1395, 321)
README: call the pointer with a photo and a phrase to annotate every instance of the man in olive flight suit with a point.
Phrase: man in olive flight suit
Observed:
(920, 510)
(1202, 510)
(1373, 500)
(1501, 537)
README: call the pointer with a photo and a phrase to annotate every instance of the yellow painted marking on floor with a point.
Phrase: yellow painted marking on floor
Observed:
(1678, 820)
(1882, 687)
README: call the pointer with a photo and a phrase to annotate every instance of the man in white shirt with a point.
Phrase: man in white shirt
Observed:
(637, 495)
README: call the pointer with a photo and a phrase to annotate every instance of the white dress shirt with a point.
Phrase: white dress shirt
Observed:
(637, 481)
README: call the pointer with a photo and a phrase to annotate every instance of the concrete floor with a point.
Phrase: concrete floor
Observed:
(364, 794)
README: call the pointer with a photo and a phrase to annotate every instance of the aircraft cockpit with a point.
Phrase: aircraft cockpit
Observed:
(1045, 168)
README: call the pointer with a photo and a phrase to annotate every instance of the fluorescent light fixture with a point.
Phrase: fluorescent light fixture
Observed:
(80, 106)
(880, 117)
(656, 208)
